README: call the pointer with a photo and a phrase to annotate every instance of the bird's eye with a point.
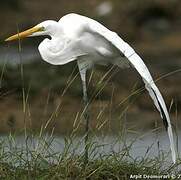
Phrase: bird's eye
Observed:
(42, 28)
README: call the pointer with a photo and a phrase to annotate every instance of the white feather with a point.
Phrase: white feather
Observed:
(139, 65)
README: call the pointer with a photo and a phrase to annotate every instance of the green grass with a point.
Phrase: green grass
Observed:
(41, 162)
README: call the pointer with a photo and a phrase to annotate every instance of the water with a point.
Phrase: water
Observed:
(12, 56)
(149, 145)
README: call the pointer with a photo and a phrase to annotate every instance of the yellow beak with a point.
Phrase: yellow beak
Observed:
(25, 34)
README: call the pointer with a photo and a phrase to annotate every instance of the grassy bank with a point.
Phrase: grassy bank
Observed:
(37, 160)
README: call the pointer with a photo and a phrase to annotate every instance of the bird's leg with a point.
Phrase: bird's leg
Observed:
(85, 111)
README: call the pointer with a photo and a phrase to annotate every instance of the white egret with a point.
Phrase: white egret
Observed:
(76, 37)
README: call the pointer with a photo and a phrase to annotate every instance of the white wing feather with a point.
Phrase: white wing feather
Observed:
(139, 65)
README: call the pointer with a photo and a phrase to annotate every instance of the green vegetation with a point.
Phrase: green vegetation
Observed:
(38, 160)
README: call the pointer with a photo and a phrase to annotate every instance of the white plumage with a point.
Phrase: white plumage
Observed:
(76, 37)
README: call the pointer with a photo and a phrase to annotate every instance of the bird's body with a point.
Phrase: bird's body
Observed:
(77, 42)
(76, 37)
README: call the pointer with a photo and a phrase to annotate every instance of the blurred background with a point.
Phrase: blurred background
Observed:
(33, 92)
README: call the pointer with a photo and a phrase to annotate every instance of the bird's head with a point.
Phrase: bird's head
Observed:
(48, 27)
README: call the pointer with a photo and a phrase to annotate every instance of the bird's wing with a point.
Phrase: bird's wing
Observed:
(139, 65)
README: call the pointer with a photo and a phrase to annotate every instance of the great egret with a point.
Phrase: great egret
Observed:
(76, 37)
